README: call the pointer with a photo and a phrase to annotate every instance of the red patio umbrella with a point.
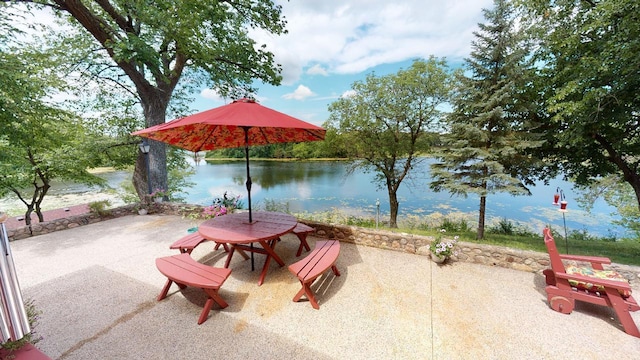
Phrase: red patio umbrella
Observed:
(243, 122)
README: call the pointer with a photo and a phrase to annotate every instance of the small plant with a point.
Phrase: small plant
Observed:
(221, 206)
(443, 249)
(229, 202)
(209, 212)
(159, 193)
(100, 207)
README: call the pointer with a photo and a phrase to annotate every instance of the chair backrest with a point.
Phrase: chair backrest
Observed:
(554, 256)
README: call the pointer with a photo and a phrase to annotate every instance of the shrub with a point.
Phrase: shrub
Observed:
(100, 207)
(454, 226)
(504, 227)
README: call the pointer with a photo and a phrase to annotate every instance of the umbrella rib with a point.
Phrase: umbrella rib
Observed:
(314, 134)
(204, 140)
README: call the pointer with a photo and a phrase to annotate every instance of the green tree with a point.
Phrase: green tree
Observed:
(147, 49)
(384, 123)
(39, 141)
(616, 193)
(588, 56)
(487, 148)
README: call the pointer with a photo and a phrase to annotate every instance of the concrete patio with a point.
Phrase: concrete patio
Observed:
(96, 286)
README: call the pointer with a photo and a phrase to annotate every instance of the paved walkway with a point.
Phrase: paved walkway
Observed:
(96, 286)
(15, 222)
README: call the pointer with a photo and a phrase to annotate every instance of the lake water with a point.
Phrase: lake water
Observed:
(324, 185)
(315, 186)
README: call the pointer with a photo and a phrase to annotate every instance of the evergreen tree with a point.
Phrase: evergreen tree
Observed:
(486, 149)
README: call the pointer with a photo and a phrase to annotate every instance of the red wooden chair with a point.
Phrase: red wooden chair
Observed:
(594, 285)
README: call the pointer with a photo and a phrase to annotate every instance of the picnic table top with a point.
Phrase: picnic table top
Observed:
(236, 229)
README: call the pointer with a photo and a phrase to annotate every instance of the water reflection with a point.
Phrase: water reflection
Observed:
(325, 185)
(321, 186)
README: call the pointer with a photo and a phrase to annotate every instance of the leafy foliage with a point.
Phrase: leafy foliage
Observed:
(588, 57)
(384, 123)
(155, 54)
(39, 141)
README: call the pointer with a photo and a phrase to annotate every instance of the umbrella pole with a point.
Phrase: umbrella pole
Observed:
(246, 154)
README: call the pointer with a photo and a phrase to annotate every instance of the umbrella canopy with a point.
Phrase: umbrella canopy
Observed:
(243, 122)
(230, 125)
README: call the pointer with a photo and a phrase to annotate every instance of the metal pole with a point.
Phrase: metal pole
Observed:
(566, 241)
(15, 322)
(377, 212)
(144, 147)
(246, 154)
(148, 174)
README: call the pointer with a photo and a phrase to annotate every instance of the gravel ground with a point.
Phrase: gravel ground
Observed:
(96, 286)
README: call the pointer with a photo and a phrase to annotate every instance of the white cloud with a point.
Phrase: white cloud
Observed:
(211, 94)
(354, 36)
(317, 70)
(348, 94)
(300, 93)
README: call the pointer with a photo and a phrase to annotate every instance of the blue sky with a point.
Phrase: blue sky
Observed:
(333, 43)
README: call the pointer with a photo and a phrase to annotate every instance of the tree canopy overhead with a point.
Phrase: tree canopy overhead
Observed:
(156, 45)
(588, 56)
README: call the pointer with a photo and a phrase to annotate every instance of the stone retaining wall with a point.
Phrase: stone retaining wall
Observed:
(38, 228)
(489, 255)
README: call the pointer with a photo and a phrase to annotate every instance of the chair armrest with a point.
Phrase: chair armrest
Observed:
(596, 261)
(618, 285)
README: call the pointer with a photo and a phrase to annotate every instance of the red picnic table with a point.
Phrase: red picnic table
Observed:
(235, 230)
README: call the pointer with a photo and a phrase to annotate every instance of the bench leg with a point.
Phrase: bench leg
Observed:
(213, 297)
(224, 245)
(306, 290)
(624, 315)
(267, 261)
(303, 243)
(165, 290)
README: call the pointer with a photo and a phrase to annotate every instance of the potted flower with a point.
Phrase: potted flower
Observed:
(442, 249)
(222, 206)
(141, 207)
(158, 195)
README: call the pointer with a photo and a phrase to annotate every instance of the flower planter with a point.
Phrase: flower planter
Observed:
(158, 199)
(436, 259)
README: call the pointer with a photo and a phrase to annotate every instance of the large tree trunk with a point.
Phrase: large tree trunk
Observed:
(154, 105)
(481, 214)
(393, 208)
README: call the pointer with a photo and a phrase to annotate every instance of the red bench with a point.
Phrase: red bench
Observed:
(301, 231)
(185, 271)
(323, 257)
(187, 243)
